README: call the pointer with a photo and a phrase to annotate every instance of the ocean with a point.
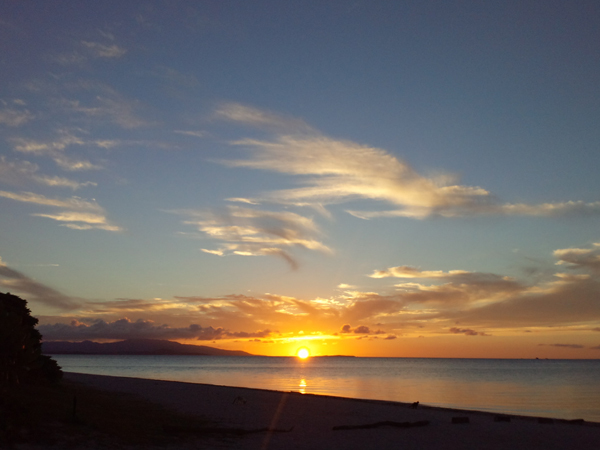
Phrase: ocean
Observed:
(566, 389)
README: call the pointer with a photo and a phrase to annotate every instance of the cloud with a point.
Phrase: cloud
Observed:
(16, 281)
(462, 287)
(580, 258)
(496, 301)
(77, 213)
(15, 118)
(112, 107)
(255, 117)
(174, 78)
(190, 133)
(252, 232)
(81, 220)
(479, 302)
(86, 49)
(104, 51)
(141, 329)
(559, 209)
(18, 173)
(92, 103)
(361, 306)
(461, 302)
(564, 345)
(362, 329)
(73, 202)
(412, 272)
(270, 311)
(244, 334)
(390, 337)
(565, 301)
(337, 171)
(55, 149)
(569, 298)
(467, 331)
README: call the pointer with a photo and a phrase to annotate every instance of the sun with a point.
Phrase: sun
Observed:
(302, 353)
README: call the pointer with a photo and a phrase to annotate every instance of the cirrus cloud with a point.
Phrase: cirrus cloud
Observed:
(20, 283)
(104, 50)
(252, 232)
(18, 173)
(337, 171)
(15, 117)
(76, 213)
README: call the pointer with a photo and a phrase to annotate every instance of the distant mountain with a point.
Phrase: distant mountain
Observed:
(134, 347)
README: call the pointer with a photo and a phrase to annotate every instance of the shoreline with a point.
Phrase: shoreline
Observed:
(310, 419)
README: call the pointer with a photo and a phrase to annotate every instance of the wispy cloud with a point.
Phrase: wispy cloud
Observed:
(337, 171)
(17, 282)
(110, 106)
(89, 103)
(19, 173)
(412, 272)
(73, 202)
(580, 258)
(564, 345)
(104, 50)
(252, 232)
(55, 149)
(85, 50)
(77, 213)
(255, 117)
(15, 117)
(191, 133)
(173, 78)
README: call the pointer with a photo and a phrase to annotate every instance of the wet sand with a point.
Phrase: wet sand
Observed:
(306, 421)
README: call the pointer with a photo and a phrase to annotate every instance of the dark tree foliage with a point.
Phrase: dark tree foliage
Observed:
(21, 359)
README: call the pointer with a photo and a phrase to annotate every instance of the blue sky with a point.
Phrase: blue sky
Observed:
(382, 178)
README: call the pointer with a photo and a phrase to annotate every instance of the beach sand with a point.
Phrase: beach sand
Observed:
(312, 418)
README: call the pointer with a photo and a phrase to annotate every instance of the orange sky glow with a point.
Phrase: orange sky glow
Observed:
(369, 178)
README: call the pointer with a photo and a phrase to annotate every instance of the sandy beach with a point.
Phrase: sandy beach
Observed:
(289, 420)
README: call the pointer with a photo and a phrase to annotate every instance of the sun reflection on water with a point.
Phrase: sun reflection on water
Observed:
(302, 386)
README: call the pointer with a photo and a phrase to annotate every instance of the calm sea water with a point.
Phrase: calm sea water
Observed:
(568, 389)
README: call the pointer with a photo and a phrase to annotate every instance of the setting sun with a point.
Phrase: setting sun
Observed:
(303, 353)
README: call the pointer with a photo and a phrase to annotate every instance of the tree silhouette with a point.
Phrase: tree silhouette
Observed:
(21, 359)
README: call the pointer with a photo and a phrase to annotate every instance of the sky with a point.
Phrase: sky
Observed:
(375, 178)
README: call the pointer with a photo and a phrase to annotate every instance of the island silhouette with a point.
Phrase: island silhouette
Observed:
(134, 347)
